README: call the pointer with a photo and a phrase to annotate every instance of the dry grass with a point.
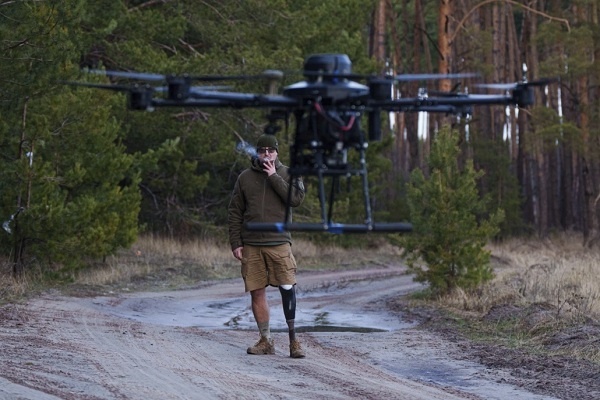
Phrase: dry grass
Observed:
(161, 262)
(558, 271)
(12, 288)
(155, 263)
(545, 297)
(180, 262)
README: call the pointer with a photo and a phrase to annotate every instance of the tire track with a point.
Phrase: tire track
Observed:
(99, 348)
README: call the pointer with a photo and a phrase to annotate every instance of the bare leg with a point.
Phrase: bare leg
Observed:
(260, 309)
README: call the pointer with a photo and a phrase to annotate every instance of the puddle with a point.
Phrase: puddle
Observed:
(313, 313)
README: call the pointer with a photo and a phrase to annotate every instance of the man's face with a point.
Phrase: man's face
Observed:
(267, 154)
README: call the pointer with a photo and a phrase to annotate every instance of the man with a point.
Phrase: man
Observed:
(260, 195)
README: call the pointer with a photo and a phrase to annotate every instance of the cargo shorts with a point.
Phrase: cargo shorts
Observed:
(268, 265)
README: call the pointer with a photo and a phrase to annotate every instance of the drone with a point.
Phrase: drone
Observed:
(328, 107)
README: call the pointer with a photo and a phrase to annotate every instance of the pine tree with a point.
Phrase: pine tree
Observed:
(451, 227)
(68, 191)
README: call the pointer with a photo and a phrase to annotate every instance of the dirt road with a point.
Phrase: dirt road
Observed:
(191, 344)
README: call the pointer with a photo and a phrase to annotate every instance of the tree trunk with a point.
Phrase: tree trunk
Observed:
(514, 65)
(539, 154)
(412, 126)
(588, 164)
(398, 153)
(378, 51)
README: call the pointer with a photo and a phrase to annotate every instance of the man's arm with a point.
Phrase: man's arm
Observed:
(281, 186)
(236, 217)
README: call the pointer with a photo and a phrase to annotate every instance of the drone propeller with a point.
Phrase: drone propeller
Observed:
(198, 89)
(395, 78)
(516, 85)
(430, 77)
(522, 92)
(143, 76)
(139, 97)
(451, 93)
(116, 88)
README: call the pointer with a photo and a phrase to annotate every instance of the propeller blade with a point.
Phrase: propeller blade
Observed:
(397, 78)
(142, 76)
(427, 77)
(452, 93)
(498, 86)
(267, 74)
(197, 89)
(117, 88)
(330, 75)
(514, 85)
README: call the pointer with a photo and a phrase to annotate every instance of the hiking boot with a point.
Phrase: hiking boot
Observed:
(263, 346)
(296, 350)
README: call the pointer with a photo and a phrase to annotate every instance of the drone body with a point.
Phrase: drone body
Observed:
(328, 108)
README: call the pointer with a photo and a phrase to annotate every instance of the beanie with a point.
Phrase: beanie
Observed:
(267, 140)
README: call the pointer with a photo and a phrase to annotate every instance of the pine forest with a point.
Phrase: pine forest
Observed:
(81, 175)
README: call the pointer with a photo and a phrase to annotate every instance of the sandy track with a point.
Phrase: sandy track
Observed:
(175, 345)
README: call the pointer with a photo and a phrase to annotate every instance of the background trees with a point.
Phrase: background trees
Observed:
(88, 174)
(551, 149)
(65, 177)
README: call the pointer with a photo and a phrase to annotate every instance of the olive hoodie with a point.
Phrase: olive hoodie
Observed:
(258, 197)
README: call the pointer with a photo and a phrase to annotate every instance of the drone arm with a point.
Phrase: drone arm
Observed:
(331, 228)
(450, 104)
(237, 100)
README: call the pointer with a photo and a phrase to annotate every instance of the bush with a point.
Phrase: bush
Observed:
(446, 248)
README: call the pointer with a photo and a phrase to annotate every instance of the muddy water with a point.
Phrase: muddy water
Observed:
(322, 305)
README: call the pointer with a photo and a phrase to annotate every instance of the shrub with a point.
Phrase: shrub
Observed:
(446, 248)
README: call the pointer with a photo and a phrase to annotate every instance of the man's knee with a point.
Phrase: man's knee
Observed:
(258, 294)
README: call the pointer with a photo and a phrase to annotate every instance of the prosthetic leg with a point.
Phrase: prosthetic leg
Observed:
(288, 300)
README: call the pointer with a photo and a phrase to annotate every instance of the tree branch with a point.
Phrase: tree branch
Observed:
(148, 4)
(189, 47)
(516, 3)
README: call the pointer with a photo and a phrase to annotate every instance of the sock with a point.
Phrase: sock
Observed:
(265, 330)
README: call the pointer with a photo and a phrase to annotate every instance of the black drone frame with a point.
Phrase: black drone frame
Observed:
(328, 107)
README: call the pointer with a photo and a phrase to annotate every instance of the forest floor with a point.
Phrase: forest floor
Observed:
(362, 338)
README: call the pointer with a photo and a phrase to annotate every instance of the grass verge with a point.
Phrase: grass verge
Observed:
(158, 263)
(544, 300)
